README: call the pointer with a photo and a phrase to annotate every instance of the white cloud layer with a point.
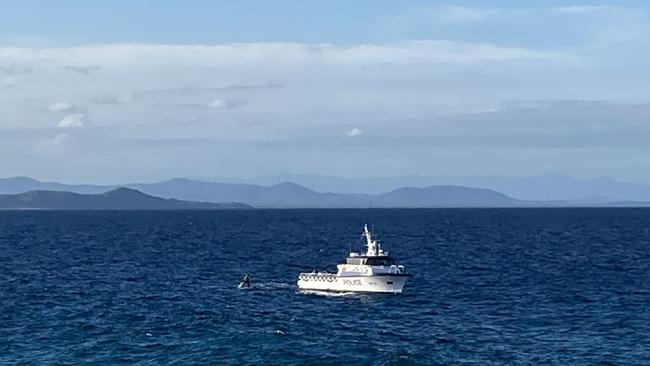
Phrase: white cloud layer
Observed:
(580, 9)
(8, 81)
(151, 111)
(60, 106)
(51, 147)
(73, 120)
(138, 55)
(217, 103)
(353, 132)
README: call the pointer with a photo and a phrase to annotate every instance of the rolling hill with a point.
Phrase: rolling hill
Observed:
(287, 195)
(117, 199)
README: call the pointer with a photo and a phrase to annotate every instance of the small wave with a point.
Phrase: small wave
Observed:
(272, 285)
(327, 293)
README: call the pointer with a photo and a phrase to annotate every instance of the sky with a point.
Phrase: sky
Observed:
(135, 91)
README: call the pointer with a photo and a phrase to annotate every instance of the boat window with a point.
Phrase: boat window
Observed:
(357, 261)
(380, 261)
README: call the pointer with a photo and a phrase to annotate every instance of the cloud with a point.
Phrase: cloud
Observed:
(225, 103)
(353, 132)
(453, 13)
(163, 56)
(448, 14)
(435, 52)
(217, 103)
(86, 70)
(60, 107)
(606, 26)
(59, 139)
(8, 81)
(73, 120)
(283, 106)
(16, 69)
(582, 9)
(53, 146)
(114, 100)
(573, 26)
(198, 89)
(523, 125)
(124, 98)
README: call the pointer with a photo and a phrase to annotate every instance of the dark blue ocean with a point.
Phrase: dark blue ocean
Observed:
(490, 286)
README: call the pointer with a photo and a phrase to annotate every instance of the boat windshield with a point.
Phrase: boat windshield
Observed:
(385, 261)
(355, 260)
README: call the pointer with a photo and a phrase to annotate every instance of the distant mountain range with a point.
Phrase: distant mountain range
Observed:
(287, 195)
(117, 199)
(546, 187)
(293, 195)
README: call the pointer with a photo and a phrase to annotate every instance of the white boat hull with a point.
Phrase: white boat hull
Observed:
(331, 282)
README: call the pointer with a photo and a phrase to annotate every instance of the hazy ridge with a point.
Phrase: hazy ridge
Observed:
(117, 199)
(189, 193)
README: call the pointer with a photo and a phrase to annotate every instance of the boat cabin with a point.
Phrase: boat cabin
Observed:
(370, 260)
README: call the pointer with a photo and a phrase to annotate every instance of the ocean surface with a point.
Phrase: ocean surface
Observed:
(490, 286)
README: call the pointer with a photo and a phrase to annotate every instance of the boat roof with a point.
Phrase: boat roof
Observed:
(370, 256)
